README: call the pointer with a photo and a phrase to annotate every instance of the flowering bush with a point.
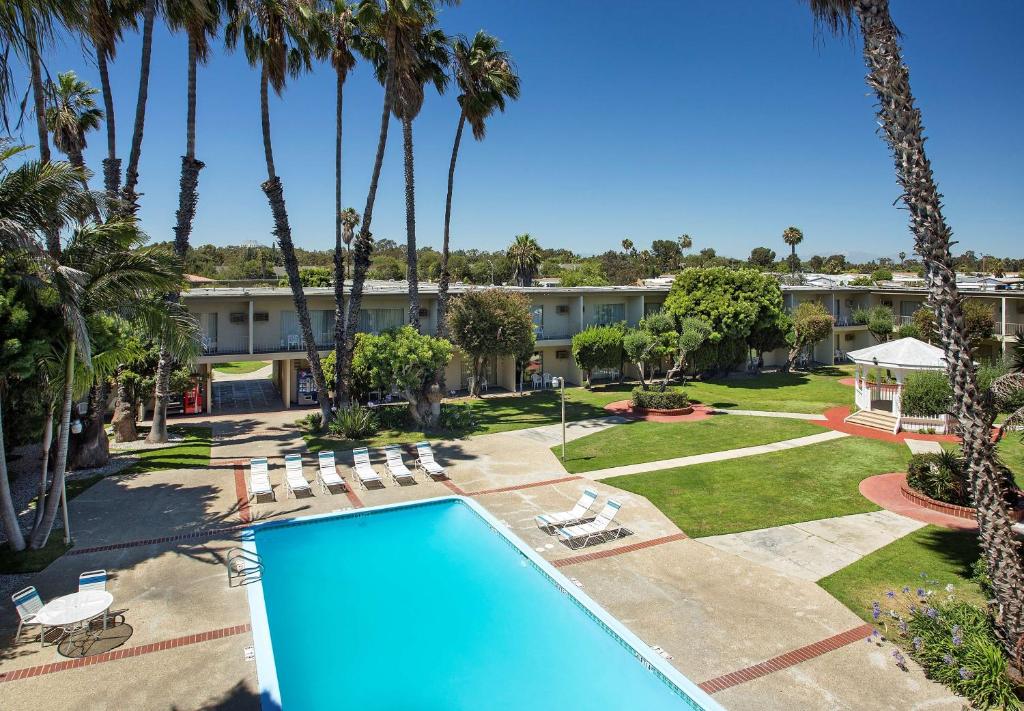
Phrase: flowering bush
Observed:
(952, 640)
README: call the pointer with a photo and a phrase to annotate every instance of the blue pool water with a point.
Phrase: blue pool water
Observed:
(428, 607)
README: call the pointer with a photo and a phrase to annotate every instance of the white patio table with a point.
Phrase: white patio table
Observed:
(69, 612)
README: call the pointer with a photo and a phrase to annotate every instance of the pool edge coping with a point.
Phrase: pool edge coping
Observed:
(266, 668)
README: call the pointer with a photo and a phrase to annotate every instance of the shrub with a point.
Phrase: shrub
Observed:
(926, 393)
(987, 374)
(311, 423)
(598, 347)
(457, 416)
(909, 330)
(940, 476)
(881, 275)
(354, 422)
(672, 399)
(393, 417)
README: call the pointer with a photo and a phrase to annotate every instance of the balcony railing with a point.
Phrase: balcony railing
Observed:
(1012, 329)
(214, 346)
(293, 343)
(543, 335)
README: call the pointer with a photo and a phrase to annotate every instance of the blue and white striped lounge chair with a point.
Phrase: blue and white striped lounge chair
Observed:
(92, 580)
(363, 469)
(327, 472)
(259, 478)
(27, 602)
(576, 514)
(425, 460)
(394, 465)
(294, 480)
(581, 534)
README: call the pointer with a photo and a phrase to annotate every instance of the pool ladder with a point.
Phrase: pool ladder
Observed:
(244, 566)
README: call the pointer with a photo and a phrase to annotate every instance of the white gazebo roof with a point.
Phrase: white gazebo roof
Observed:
(903, 354)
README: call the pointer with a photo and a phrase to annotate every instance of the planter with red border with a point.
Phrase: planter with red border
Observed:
(916, 497)
(656, 411)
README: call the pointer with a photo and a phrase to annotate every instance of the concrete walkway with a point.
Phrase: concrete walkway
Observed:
(920, 446)
(550, 435)
(814, 549)
(713, 456)
(772, 413)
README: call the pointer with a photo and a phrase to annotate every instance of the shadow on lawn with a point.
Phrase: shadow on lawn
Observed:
(958, 548)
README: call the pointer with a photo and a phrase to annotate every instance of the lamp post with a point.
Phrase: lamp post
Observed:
(560, 383)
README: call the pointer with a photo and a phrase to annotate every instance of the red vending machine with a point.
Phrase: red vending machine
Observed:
(192, 400)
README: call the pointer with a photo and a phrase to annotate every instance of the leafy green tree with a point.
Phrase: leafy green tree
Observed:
(769, 336)
(880, 321)
(978, 318)
(811, 323)
(653, 340)
(667, 255)
(587, 273)
(693, 334)
(486, 78)
(489, 323)
(881, 275)
(762, 257)
(407, 360)
(597, 347)
(313, 277)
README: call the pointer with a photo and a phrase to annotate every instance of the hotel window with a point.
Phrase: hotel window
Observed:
(537, 312)
(907, 308)
(650, 308)
(606, 314)
(321, 322)
(379, 320)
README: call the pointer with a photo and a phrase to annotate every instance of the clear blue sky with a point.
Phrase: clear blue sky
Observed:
(725, 120)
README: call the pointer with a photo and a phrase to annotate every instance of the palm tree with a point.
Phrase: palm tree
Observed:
(685, 242)
(71, 115)
(900, 121)
(627, 245)
(274, 37)
(417, 53)
(349, 222)
(903, 259)
(486, 77)
(524, 254)
(131, 174)
(102, 24)
(199, 21)
(793, 236)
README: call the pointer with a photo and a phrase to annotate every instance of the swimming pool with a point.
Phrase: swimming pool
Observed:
(433, 605)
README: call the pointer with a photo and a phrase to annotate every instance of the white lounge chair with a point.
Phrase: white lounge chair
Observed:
(581, 534)
(327, 473)
(92, 580)
(293, 477)
(363, 469)
(27, 602)
(259, 479)
(425, 460)
(394, 464)
(573, 515)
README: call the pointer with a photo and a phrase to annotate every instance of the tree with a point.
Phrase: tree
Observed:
(881, 275)
(769, 336)
(586, 273)
(417, 54)
(627, 246)
(762, 257)
(693, 334)
(275, 41)
(71, 115)
(407, 360)
(199, 20)
(597, 347)
(901, 127)
(489, 323)
(977, 316)
(880, 321)
(131, 175)
(667, 255)
(685, 242)
(486, 78)
(903, 259)
(524, 254)
(811, 323)
(793, 236)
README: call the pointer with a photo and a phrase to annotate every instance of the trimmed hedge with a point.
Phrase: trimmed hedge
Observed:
(673, 399)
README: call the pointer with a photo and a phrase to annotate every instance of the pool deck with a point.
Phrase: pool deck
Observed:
(754, 637)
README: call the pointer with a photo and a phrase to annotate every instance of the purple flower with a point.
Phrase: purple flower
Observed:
(890, 594)
(876, 611)
(901, 661)
(948, 659)
(906, 589)
(931, 612)
(876, 633)
(957, 636)
(920, 592)
(913, 609)
(903, 626)
(965, 673)
(917, 644)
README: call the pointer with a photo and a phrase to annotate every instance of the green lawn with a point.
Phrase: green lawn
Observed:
(638, 442)
(194, 451)
(240, 367)
(1011, 452)
(802, 484)
(27, 561)
(811, 393)
(944, 556)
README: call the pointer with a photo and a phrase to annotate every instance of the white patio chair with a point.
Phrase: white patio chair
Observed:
(547, 380)
(259, 479)
(581, 534)
(27, 602)
(294, 479)
(293, 342)
(394, 465)
(563, 518)
(363, 469)
(92, 580)
(425, 460)
(327, 473)
(536, 381)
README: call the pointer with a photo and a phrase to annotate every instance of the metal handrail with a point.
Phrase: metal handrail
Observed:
(245, 565)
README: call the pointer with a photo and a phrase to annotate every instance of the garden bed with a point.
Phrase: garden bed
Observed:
(916, 497)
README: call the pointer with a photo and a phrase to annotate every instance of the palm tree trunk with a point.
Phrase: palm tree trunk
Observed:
(162, 395)
(900, 120)
(361, 253)
(38, 89)
(123, 420)
(92, 448)
(283, 232)
(131, 176)
(442, 287)
(339, 256)
(44, 468)
(41, 531)
(111, 164)
(410, 226)
(15, 540)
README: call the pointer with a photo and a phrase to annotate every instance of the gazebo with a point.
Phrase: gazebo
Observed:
(878, 403)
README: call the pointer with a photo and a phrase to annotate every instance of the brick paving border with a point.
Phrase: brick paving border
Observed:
(207, 533)
(125, 653)
(784, 661)
(609, 552)
(242, 493)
